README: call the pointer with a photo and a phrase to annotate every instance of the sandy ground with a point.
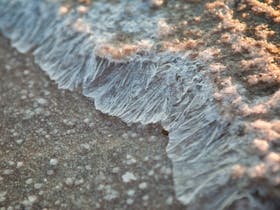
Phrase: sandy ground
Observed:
(58, 152)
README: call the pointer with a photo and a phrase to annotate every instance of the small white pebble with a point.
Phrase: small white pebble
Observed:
(19, 164)
(169, 200)
(128, 177)
(38, 185)
(145, 197)
(58, 187)
(8, 67)
(125, 136)
(19, 141)
(166, 170)
(41, 101)
(57, 202)
(53, 162)
(86, 121)
(68, 123)
(158, 165)
(85, 147)
(91, 125)
(141, 139)
(23, 97)
(3, 196)
(157, 157)
(130, 160)
(143, 185)
(151, 173)
(130, 192)
(32, 198)
(69, 181)
(116, 170)
(110, 194)
(11, 163)
(25, 72)
(88, 167)
(50, 172)
(97, 205)
(10, 208)
(100, 187)
(156, 3)
(100, 178)
(129, 201)
(134, 135)
(29, 181)
(153, 138)
(8, 172)
(79, 182)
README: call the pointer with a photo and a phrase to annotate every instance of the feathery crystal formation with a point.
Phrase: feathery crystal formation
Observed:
(113, 51)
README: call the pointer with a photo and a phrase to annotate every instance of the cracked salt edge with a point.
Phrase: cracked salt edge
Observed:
(164, 88)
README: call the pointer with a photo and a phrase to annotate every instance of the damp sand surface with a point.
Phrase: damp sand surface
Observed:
(58, 152)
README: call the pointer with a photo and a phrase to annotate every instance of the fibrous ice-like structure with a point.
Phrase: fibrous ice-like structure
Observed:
(111, 50)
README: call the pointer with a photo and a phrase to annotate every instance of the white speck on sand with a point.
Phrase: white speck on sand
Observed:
(130, 192)
(143, 185)
(128, 177)
(129, 201)
(53, 162)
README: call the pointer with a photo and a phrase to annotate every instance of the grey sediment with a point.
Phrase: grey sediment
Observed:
(56, 153)
(209, 145)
